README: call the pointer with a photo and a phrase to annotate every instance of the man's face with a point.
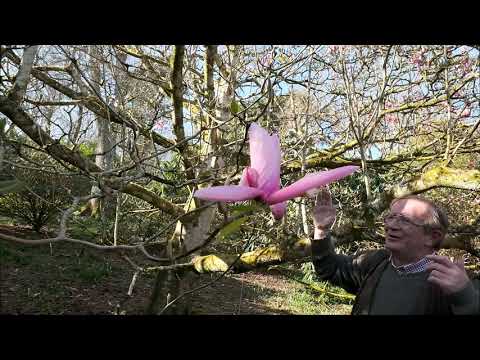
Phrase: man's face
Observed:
(404, 234)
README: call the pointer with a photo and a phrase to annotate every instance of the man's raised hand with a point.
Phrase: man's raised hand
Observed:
(323, 212)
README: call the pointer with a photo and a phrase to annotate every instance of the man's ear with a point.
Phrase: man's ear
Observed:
(435, 238)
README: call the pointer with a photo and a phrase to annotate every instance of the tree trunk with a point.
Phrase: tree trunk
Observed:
(104, 152)
(189, 235)
(168, 285)
(22, 79)
(2, 144)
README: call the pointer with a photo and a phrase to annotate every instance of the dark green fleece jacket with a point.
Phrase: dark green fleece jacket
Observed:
(380, 289)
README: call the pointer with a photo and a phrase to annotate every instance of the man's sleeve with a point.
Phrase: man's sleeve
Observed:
(347, 272)
(466, 301)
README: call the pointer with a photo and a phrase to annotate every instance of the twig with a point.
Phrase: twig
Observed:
(240, 299)
(169, 267)
(67, 239)
(132, 284)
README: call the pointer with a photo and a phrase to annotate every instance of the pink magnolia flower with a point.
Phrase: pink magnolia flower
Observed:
(334, 48)
(466, 65)
(159, 124)
(391, 118)
(448, 106)
(465, 113)
(418, 59)
(261, 180)
(267, 60)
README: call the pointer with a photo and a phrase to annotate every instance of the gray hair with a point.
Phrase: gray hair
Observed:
(437, 218)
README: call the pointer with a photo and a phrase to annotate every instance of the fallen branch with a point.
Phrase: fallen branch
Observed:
(132, 284)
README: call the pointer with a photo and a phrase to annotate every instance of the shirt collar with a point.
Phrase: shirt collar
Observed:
(412, 268)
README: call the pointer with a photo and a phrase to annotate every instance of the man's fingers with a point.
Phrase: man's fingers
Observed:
(327, 190)
(453, 263)
(323, 197)
(438, 267)
(440, 260)
(437, 280)
(439, 275)
(460, 262)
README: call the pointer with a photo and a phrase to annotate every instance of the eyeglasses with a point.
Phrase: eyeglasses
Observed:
(402, 220)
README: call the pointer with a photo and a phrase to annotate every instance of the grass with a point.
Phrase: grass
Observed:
(84, 229)
(18, 257)
(5, 221)
(87, 267)
(57, 280)
(91, 272)
(305, 302)
(304, 299)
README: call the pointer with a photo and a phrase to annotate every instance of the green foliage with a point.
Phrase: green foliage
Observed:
(85, 227)
(172, 171)
(39, 200)
(309, 277)
(231, 228)
(10, 186)
(16, 256)
(234, 107)
(241, 209)
(351, 190)
(308, 272)
(306, 296)
(303, 301)
(136, 221)
(87, 149)
(3, 122)
(92, 272)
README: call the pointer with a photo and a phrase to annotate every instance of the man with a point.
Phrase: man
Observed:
(405, 278)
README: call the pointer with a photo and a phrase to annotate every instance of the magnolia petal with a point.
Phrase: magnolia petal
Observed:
(309, 182)
(278, 210)
(228, 193)
(249, 177)
(252, 177)
(244, 178)
(265, 158)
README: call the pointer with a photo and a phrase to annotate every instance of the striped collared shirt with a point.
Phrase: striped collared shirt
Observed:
(413, 268)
